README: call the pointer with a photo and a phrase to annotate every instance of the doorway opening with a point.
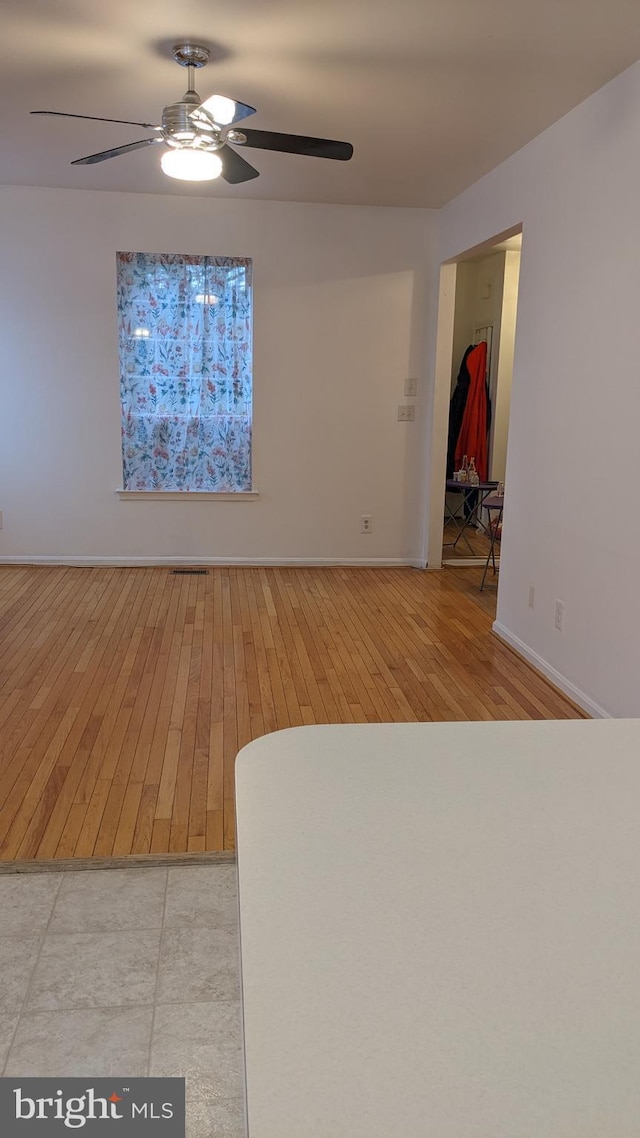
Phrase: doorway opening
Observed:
(474, 368)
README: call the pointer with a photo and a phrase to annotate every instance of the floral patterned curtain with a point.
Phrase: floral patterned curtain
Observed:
(185, 371)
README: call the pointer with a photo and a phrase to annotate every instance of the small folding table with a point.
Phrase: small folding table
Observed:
(469, 509)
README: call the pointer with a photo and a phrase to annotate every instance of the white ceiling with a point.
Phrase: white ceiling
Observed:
(432, 93)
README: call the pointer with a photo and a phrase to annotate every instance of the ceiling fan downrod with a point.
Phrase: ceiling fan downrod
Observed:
(191, 56)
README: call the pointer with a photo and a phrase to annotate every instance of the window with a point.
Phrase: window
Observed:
(185, 371)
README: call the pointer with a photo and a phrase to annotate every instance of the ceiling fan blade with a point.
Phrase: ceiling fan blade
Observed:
(235, 168)
(213, 104)
(113, 153)
(93, 118)
(243, 110)
(299, 144)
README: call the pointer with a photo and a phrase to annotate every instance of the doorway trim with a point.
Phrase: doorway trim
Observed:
(440, 412)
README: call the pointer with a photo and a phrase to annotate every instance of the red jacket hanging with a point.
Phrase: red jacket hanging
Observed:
(473, 437)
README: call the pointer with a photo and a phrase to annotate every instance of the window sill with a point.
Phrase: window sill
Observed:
(185, 496)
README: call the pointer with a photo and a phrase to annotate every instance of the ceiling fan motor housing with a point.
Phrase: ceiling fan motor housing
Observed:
(180, 128)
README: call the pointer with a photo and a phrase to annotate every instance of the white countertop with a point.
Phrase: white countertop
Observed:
(440, 930)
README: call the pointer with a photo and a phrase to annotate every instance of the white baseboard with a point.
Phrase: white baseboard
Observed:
(257, 562)
(557, 679)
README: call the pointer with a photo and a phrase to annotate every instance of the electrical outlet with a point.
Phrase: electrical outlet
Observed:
(365, 523)
(532, 596)
(406, 413)
(559, 617)
(411, 386)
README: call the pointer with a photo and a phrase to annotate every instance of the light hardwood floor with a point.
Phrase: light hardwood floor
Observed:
(125, 694)
(477, 539)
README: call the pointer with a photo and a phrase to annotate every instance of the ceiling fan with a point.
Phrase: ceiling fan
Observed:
(197, 135)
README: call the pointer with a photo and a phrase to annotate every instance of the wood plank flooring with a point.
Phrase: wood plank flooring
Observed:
(477, 539)
(125, 694)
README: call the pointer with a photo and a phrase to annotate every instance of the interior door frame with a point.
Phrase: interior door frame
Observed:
(442, 391)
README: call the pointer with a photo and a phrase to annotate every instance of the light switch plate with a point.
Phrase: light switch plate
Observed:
(406, 413)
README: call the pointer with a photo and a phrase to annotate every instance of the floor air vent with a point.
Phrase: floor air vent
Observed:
(190, 572)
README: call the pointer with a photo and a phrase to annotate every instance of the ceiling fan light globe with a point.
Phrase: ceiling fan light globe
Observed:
(191, 165)
(221, 109)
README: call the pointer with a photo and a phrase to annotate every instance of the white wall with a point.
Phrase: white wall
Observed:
(341, 306)
(576, 390)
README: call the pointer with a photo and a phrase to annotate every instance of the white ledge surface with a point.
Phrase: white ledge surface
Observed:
(186, 496)
(440, 929)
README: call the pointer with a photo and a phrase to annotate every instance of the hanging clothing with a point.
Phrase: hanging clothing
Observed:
(456, 410)
(473, 439)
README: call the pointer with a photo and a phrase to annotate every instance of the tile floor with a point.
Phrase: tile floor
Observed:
(126, 972)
